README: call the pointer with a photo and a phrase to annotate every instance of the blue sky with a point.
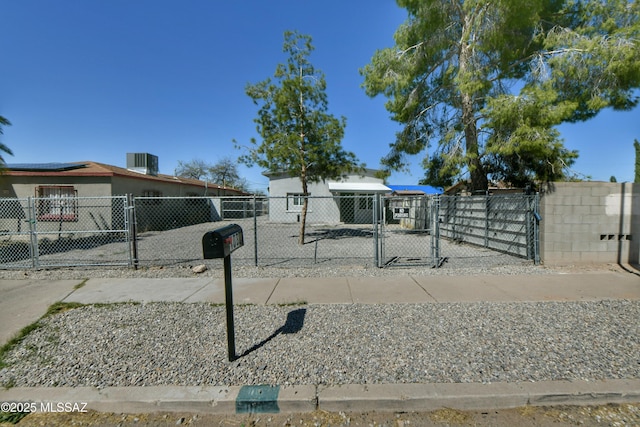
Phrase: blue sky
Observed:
(93, 80)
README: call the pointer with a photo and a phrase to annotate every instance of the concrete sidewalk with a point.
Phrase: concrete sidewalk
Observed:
(22, 302)
(366, 290)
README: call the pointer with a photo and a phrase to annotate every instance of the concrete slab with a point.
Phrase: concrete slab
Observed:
(137, 290)
(22, 302)
(199, 399)
(544, 287)
(298, 398)
(461, 288)
(570, 287)
(245, 291)
(419, 397)
(209, 399)
(373, 290)
(548, 393)
(312, 290)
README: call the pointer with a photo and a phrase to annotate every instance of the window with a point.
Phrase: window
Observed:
(365, 201)
(57, 203)
(295, 201)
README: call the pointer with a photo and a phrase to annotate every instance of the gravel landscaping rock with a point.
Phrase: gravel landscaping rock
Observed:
(185, 344)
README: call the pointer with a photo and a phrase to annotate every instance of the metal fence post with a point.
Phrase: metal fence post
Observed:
(487, 202)
(376, 204)
(435, 236)
(536, 229)
(255, 232)
(33, 233)
(134, 232)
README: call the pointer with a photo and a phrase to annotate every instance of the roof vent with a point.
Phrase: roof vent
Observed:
(143, 163)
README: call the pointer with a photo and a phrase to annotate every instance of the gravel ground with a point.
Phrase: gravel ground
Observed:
(185, 344)
(215, 269)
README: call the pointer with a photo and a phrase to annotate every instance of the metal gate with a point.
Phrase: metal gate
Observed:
(61, 231)
(408, 231)
(465, 231)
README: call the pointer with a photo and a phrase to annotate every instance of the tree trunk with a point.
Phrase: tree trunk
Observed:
(305, 204)
(479, 181)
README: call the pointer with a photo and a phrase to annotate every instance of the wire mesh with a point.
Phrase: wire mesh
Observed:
(15, 233)
(64, 231)
(337, 230)
(358, 229)
(406, 231)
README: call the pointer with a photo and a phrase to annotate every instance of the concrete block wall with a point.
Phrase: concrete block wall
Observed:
(590, 222)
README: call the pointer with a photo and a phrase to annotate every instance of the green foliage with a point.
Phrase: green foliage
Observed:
(487, 82)
(299, 136)
(636, 145)
(4, 148)
(438, 173)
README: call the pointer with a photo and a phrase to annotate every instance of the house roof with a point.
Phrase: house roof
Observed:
(89, 168)
(360, 187)
(415, 189)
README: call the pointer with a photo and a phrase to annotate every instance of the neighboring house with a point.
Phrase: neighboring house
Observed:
(58, 188)
(408, 206)
(347, 201)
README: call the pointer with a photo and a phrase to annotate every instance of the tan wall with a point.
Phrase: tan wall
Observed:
(25, 186)
(93, 214)
(137, 187)
(590, 222)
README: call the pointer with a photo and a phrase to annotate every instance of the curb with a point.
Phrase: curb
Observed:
(308, 398)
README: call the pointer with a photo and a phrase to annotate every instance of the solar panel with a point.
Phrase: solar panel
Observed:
(44, 167)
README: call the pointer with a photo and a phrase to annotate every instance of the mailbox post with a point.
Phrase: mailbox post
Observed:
(221, 243)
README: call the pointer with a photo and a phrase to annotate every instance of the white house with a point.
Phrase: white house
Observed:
(349, 200)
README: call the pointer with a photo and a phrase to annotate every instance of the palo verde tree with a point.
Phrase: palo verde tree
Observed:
(4, 148)
(486, 82)
(299, 136)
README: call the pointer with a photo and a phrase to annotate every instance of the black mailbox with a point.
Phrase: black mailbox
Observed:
(221, 242)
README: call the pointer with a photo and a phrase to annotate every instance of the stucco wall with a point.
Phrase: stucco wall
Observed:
(323, 206)
(590, 222)
(25, 186)
(93, 214)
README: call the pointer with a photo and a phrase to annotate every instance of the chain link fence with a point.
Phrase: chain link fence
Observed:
(64, 231)
(365, 230)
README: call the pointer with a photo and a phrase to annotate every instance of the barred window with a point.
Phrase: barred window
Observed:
(57, 203)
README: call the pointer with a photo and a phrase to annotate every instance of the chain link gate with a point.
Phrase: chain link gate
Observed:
(65, 231)
(408, 231)
(461, 231)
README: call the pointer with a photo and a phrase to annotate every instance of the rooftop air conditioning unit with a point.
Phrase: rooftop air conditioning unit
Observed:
(143, 163)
